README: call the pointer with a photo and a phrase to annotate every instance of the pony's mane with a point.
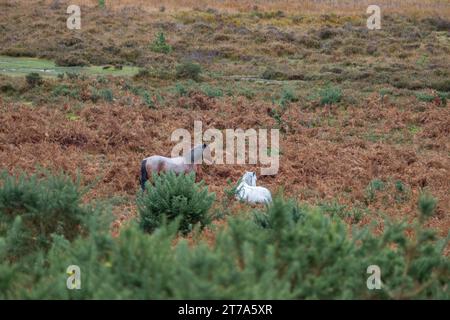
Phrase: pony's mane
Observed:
(194, 154)
(247, 178)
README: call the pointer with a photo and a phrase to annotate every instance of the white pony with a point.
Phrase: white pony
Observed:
(248, 191)
(184, 164)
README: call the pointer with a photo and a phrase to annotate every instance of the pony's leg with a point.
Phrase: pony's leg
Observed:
(144, 174)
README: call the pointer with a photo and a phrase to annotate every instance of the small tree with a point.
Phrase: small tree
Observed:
(160, 44)
(174, 196)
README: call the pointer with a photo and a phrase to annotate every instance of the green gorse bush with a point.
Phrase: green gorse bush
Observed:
(34, 209)
(285, 251)
(174, 196)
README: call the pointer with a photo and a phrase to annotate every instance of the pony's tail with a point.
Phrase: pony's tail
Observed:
(144, 176)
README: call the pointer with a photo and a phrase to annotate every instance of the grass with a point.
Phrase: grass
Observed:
(20, 66)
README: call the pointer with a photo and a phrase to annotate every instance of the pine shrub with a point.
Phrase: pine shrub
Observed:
(34, 209)
(33, 79)
(160, 44)
(174, 196)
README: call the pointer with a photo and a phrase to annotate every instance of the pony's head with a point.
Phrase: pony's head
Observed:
(249, 178)
(196, 153)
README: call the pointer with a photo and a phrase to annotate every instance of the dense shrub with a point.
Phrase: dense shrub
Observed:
(159, 72)
(443, 96)
(33, 79)
(425, 97)
(65, 90)
(72, 76)
(142, 74)
(33, 210)
(288, 252)
(188, 70)
(330, 95)
(212, 92)
(287, 96)
(292, 213)
(94, 94)
(438, 23)
(8, 88)
(106, 94)
(70, 60)
(181, 90)
(372, 188)
(19, 52)
(441, 85)
(271, 74)
(174, 196)
(439, 98)
(147, 99)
